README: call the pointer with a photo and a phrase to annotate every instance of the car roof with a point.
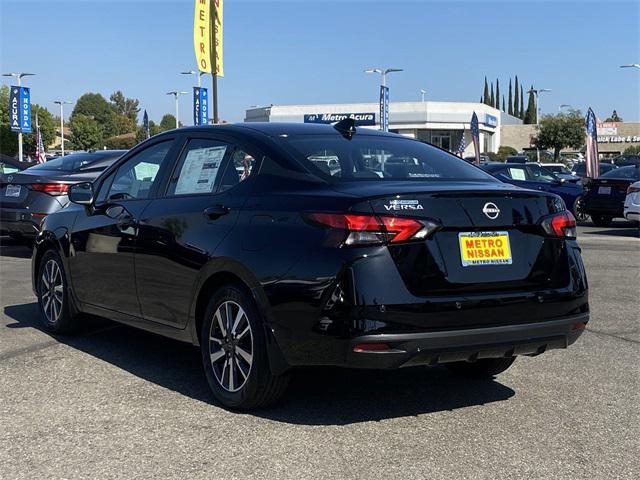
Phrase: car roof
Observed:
(280, 128)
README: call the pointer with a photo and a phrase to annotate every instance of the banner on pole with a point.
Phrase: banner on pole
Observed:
(475, 136)
(20, 109)
(384, 108)
(145, 123)
(591, 153)
(202, 35)
(200, 106)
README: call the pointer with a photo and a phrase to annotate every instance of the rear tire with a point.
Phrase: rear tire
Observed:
(578, 210)
(485, 368)
(234, 352)
(53, 295)
(601, 220)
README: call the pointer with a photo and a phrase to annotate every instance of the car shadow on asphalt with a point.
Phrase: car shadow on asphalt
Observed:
(316, 396)
(15, 249)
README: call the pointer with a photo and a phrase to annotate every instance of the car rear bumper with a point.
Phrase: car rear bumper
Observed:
(18, 222)
(603, 206)
(432, 348)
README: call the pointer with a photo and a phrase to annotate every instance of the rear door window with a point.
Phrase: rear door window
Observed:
(200, 168)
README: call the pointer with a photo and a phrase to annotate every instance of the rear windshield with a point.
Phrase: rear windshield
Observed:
(626, 173)
(372, 157)
(69, 163)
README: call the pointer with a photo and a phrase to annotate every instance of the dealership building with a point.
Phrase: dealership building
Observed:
(440, 123)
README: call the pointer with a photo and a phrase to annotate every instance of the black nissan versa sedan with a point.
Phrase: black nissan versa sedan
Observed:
(241, 240)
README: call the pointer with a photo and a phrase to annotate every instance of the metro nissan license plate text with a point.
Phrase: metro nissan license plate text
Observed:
(484, 248)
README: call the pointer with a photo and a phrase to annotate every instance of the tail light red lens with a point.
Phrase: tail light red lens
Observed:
(51, 188)
(373, 229)
(562, 225)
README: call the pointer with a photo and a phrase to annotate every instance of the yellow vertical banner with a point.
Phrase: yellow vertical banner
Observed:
(201, 35)
(218, 24)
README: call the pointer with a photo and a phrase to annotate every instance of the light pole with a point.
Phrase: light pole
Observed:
(383, 83)
(62, 103)
(197, 74)
(423, 92)
(536, 93)
(564, 105)
(176, 94)
(19, 76)
(631, 65)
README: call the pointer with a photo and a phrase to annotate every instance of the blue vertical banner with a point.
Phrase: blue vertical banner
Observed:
(200, 106)
(25, 110)
(384, 108)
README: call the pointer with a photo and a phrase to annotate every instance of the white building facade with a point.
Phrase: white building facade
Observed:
(440, 123)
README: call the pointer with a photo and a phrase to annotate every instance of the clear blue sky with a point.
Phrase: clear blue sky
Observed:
(314, 51)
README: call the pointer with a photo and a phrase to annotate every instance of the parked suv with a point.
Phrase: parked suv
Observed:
(235, 239)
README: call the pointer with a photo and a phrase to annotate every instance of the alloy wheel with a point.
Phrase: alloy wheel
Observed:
(231, 346)
(52, 291)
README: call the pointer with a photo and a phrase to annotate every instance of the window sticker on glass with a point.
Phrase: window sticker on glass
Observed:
(199, 170)
(517, 174)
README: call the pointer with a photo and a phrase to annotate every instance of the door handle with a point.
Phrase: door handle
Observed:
(215, 211)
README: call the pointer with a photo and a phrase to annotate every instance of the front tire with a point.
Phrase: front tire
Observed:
(234, 352)
(578, 210)
(53, 295)
(485, 368)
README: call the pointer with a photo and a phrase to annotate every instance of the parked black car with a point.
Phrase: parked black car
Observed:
(604, 196)
(12, 165)
(26, 197)
(580, 169)
(626, 159)
(233, 238)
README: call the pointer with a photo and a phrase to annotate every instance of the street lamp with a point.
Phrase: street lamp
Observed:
(62, 103)
(536, 93)
(631, 65)
(197, 74)
(176, 94)
(423, 92)
(18, 76)
(383, 83)
(564, 105)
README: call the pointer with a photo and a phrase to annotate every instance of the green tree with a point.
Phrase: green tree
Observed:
(120, 124)
(632, 150)
(8, 139)
(85, 132)
(614, 117)
(503, 105)
(485, 95)
(48, 128)
(95, 106)
(510, 105)
(561, 131)
(497, 104)
(505, 151)
(516, 105)
(530, 115)
(521, 116)
(168, 122)
(125, 106)
(492, 98)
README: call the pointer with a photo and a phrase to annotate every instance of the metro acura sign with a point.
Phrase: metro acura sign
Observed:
(360, 118)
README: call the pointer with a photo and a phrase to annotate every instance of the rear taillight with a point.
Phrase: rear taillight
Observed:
(51, 188)
(373, 229)
(562, 225)
(632, 189)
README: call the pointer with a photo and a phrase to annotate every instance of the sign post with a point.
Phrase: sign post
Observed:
(20, 113)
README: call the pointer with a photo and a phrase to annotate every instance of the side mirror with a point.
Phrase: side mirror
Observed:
(81, 193)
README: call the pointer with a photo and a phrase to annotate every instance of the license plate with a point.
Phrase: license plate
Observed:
(12, 191)
(604, 190)
(484, 248)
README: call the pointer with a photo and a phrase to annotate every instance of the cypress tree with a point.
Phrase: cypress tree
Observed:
(531, 114)
(503, 107)
(485, 96)
(510, 106)
(497, 105)
(521, 103)
(516, 107)
(492, 99)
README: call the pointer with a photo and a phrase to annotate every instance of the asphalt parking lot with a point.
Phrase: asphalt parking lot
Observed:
(115, 402)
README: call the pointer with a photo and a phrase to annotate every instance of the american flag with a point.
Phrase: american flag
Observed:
(475, 135)
(40, 155)
(593, 164)
(461, 146)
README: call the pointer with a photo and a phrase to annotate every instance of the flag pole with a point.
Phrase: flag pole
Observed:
(214, 63)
